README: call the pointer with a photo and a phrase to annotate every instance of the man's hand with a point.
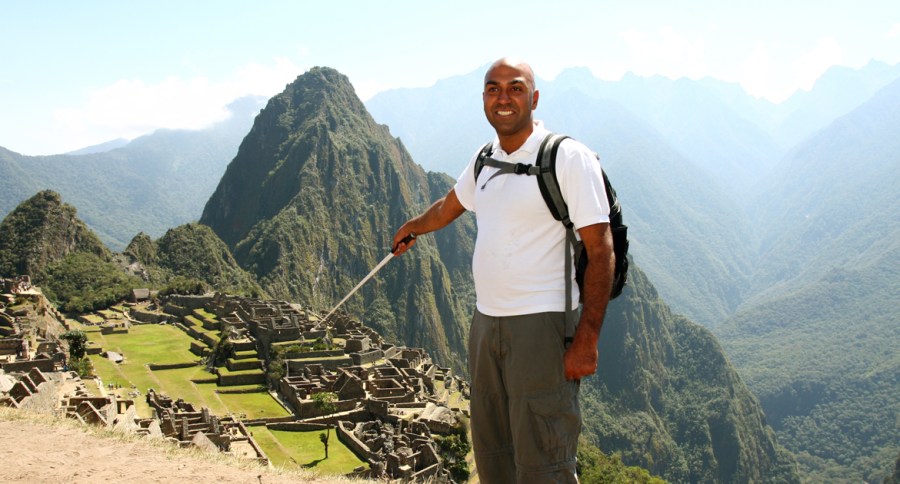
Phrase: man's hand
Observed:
(404, 239)
(581, 357)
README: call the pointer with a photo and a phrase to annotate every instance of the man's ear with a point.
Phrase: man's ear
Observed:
(534, 101)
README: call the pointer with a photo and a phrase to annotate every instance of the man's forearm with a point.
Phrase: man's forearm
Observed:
(440, 214)
(581, 357)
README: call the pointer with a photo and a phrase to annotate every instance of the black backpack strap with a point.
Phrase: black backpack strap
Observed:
(548, 183)
(547, 180)
(483, 155)
(504, 167)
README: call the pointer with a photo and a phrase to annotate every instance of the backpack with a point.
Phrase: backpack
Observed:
(545, 172)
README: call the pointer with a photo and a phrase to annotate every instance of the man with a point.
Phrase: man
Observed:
(524, 400)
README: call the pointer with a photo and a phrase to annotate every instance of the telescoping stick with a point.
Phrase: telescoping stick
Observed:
(377, 268)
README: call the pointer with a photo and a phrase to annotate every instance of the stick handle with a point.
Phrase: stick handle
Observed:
(406, 240)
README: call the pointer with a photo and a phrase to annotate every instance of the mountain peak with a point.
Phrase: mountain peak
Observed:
(294, 139)
(40, 231)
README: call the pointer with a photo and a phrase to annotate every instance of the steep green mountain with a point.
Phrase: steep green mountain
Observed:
(153, 183)
(667, 399)
(818, 343)
(41, 231)
(309, 205)
(45, 239)
(192, 252)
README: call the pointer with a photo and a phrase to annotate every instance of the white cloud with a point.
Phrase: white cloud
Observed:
(666, 52)
(365, 89)
(811, 65)
(131, 107)
(756, 71)
(894, 32)
(771, 73)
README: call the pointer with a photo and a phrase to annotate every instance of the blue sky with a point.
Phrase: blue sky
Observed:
(75, 74)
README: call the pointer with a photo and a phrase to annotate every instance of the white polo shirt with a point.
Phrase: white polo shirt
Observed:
(519, 263)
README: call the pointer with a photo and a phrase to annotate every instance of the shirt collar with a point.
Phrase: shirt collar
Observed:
(531, 145)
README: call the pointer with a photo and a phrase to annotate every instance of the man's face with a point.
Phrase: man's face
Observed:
(509, 98)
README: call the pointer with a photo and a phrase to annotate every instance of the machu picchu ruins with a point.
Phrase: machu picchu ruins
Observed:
(390, 403)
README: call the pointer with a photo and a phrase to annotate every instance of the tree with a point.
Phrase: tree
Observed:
(221, 351)
(77, 349)
(324, 403)
(77, 343)
(275, 368)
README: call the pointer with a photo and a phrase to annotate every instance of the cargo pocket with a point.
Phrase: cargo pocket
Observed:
(557, 422)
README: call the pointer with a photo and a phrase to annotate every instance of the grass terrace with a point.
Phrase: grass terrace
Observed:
(94, 318)
(109, 314)
(166, 345)
(204, 314)
(293, 450)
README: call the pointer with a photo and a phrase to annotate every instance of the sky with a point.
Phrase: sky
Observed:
(76, 74)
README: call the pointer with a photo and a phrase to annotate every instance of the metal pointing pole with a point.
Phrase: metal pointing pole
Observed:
(377, 268)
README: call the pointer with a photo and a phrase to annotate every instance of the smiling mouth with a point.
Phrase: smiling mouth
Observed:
(504, 113)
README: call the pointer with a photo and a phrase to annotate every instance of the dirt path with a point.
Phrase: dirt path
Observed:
(41, 449)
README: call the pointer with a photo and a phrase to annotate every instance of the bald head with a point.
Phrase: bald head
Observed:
(515, 63)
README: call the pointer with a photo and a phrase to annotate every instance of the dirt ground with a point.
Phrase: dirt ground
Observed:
(37, 448)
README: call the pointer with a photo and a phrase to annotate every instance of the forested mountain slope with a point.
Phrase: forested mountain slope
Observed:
(667, 398)
(819, 342)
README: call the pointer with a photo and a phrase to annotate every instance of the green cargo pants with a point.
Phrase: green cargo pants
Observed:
(525, 414)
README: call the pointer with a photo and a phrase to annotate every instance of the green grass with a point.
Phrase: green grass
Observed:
(206, 314)
(164, 344)
(254, 405)
(226, 372)
(304, 450)
(245, 388)
(149, 343)
(94, 318)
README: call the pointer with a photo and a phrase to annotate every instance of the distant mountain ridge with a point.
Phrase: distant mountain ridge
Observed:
(153, 183)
